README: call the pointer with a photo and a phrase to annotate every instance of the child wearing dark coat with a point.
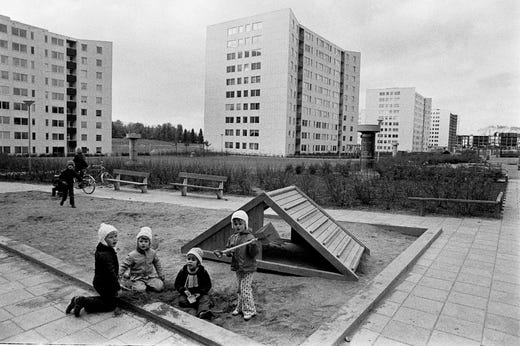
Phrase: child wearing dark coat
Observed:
(243, 262)
(66, 179)
(193, 284)
(105, 277)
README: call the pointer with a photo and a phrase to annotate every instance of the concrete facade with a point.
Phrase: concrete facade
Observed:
(275, 87)
(405, 116)
(70, 82)
(443, 130)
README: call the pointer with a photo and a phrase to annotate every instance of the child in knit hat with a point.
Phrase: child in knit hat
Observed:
(193, 284)
(142, 268)
(105, 277)
(243, 262)
(66, 183)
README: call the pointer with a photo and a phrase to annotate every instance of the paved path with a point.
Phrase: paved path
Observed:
(32, 305)
(464, 290)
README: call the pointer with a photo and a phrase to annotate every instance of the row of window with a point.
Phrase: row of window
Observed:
(246, 41)
(254, 79)
(252, 146)
(243, 132)
(53, 136)
(54, 122)
(54, 40)
(245, 67)
(245, 54)
(385, 93)
(238, 93)
(243, 119)
(243, 106)
(23, 150)
(244, 28)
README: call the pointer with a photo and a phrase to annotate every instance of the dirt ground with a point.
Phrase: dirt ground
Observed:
(289, 308)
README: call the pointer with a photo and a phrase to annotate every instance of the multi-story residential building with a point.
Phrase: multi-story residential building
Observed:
(443, 130)
(404, 116)
(70, 82)
(275, 87)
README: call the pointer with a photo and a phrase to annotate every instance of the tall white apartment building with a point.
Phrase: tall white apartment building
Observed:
(404, 115)
(70, 82)
(274, 87)
(443, 130)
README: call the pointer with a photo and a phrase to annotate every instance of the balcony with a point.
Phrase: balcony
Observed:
(71, 65)
(71, 52)
(71, 91)
(71, 78)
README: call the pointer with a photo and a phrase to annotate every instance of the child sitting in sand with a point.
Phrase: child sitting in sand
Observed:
(142, 268)
(193, 283)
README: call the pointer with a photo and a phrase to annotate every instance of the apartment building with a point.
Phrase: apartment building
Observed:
(443, 130)
(68, 80)
(274, 87)
(404, 115)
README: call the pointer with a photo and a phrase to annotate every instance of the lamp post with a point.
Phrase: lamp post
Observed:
(29, 103)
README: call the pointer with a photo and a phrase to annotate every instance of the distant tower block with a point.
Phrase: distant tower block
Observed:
(133, 137)
(368, 144)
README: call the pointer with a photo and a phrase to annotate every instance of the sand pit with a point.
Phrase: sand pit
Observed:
(290, 308)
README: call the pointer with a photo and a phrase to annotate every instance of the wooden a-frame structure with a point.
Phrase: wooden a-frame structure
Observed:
(323, 239)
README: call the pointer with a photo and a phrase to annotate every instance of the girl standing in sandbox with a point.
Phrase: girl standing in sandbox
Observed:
(243, 262)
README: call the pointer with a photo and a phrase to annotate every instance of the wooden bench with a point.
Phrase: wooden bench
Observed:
(143, 176)
(201, 177)
(498, 203)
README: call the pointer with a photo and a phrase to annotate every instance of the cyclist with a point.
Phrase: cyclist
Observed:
(80, 165)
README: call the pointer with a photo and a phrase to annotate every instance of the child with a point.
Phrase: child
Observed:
(141, 263)
(67, 183)
(80, 164)
(193, 283)
(243, 262)
(105, 277)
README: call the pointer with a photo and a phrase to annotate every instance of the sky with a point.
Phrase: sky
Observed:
(464, 54)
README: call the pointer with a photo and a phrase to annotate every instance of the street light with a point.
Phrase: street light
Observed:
(29, 103)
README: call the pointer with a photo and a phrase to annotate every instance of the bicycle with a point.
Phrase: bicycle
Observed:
(87, 184)
(101, 174)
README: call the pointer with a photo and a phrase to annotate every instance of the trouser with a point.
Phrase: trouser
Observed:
(202, 303)
(68, 190)
(105, 302)
(140, 285)
(245, 301)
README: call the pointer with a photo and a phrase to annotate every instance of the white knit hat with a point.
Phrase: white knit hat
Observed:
(145, 232)
(242, 215)
(197, 252)
(104, 230)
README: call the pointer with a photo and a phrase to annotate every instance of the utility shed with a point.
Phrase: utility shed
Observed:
(318, 245)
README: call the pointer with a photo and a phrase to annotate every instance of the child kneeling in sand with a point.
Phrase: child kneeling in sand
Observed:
(142, 268)
(105, 276)
(193, 284)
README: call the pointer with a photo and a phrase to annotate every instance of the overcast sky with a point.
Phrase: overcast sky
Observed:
(465, 55)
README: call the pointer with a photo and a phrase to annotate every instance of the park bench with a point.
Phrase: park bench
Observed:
(201, 178)
(142, 176)
(496, 204)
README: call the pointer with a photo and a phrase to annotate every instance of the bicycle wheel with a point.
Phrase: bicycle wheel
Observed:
(104, 177)
(88, 184)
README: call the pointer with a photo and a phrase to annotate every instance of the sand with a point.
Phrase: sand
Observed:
(289, 308)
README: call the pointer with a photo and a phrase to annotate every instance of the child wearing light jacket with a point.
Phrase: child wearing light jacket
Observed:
(142, 268)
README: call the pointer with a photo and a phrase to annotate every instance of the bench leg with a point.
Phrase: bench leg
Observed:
(144, 189)
(184, 191)
(220, 194)
(116, 186)
(422, 208)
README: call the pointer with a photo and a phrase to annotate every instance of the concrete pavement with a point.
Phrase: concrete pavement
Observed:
(464, 290)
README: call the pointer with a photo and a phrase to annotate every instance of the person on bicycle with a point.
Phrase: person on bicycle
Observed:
(67, 183)
(80, 164)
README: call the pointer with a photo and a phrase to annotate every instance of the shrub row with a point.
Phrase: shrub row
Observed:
(331, 183)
